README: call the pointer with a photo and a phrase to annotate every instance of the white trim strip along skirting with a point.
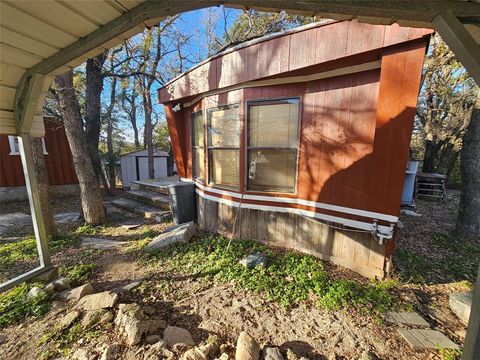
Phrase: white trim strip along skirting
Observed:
(367, 226)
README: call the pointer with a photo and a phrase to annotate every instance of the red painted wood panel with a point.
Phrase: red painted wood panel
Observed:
(289, 52)
(58, 161)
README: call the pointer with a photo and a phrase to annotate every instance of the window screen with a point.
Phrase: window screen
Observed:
(273, 145)
(223, 141)
(198, 149)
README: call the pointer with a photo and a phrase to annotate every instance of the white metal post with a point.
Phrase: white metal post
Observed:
(37, 216)
(34, 200)
(471, 349)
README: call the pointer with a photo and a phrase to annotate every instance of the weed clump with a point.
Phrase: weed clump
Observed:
(290, 278)
(16, 305)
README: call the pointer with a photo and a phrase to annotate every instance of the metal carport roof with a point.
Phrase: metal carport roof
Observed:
(39, 39)
(42, 38)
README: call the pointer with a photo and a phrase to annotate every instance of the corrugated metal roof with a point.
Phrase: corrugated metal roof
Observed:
(33, 31)
(49, 37)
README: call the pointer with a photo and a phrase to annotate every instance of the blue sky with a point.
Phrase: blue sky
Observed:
(191, 23)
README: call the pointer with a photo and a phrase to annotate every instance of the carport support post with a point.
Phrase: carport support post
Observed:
(471, 349)
(34, 200)
(460, 42)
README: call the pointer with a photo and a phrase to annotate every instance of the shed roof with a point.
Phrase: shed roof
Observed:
(156, 152)
(39, 39)
(291, 56)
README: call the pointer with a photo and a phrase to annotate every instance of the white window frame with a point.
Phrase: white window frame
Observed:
(210, 148)
(259, 102)
(195, 147)
(15, 148)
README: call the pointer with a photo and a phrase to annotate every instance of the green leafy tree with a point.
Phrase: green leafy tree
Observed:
(443, 112)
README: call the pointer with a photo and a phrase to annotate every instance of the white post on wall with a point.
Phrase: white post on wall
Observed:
(28, 101)
(37, 216)
(34, 200)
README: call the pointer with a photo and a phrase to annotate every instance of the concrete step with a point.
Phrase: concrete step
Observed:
(150, 197)
(137, 207)
(149, 186)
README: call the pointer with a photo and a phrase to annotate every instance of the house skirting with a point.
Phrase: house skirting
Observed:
(355, 250)
(19, 193)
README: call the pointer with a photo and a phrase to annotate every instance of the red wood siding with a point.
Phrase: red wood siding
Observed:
(290, 52)
(353, 139)
(354, 132)
(59, 159)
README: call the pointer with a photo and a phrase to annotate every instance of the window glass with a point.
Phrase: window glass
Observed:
(273, 145)
(274, 125)
(223, 139)
(224, 167)
(15, 147)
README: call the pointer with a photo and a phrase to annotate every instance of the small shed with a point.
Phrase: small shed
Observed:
(134, 166)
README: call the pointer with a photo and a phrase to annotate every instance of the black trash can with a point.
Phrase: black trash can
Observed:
(182, 201)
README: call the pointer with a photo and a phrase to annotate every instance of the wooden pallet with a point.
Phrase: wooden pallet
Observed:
(431, 186)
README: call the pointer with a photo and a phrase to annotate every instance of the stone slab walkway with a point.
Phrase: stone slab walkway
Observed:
(420, 339)
(102, 244)
(406, 318)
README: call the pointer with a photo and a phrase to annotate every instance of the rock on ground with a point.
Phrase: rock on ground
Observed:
(100, 316)
(253, 260)
(69, 319)
(49, 288)
(176, 234)
(176, 335)
(34, 292)
(271, 353)
(83, 354)
(77, 293)
(247, 348)
(203, 352)
(110, 351)
(102, 300)
(62, 284)
(461, 304)
(132, 322)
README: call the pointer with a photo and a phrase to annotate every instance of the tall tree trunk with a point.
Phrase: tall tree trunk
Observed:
(147, 109)
(451, 163)
(93, 92)
(135, 134)
(468, 221)
(90, 194)
(431, 150)
(170, 162)
(111, 156)
(41, 174)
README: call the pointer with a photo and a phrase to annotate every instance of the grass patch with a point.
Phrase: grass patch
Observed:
(150, 233)
(26, 249)
(87, 229)
(78, 274)
(463, 256)
(60, 341)
(15, 305)
(290, 278)
(450, 354)
(81, 272)
(413, 266)
(18, 251)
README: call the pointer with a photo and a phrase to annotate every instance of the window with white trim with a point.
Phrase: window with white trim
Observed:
(223, 145)
(15, 147)
(198, 149)
(272, 145)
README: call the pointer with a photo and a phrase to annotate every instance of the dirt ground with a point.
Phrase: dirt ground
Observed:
(206, 308)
